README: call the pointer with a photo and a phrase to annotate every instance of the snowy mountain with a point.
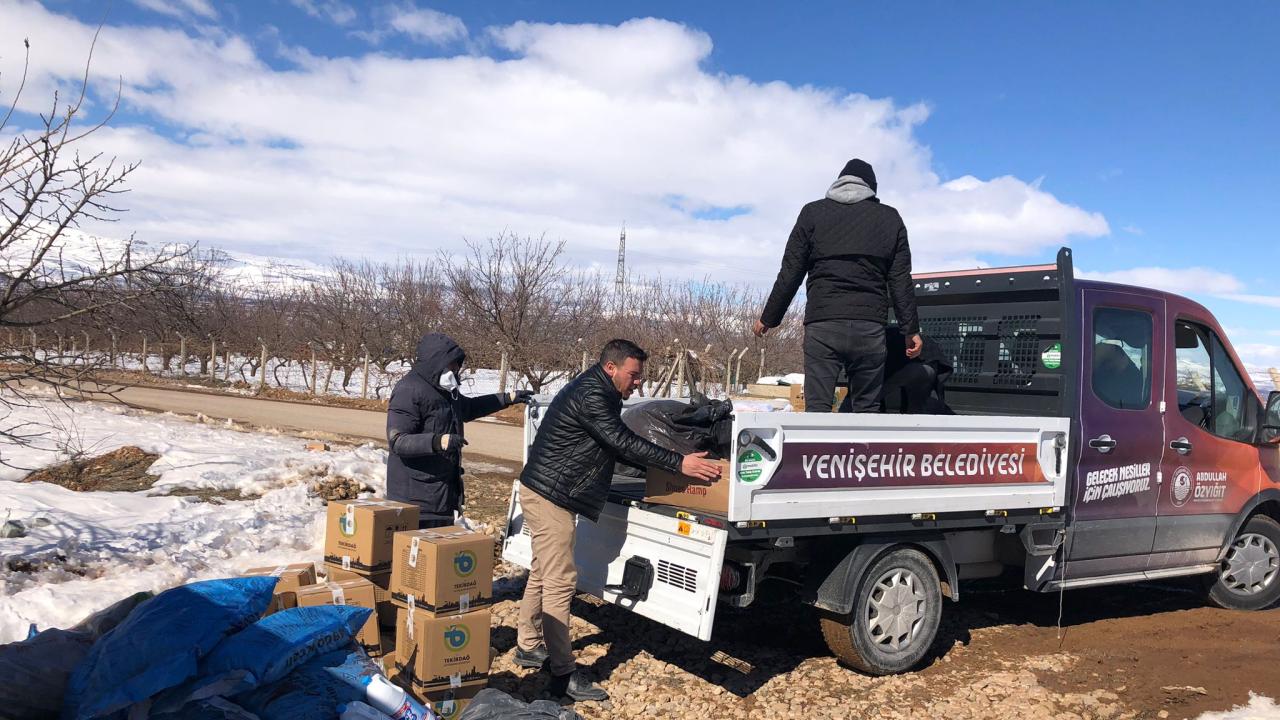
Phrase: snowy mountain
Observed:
(80, 252)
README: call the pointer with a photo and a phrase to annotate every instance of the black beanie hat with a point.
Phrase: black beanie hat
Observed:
(862, 169)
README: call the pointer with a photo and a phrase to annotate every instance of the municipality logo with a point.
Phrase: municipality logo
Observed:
(1180, 489)
(464, 563)
(347, 524)
(456, 638)
(447, 709)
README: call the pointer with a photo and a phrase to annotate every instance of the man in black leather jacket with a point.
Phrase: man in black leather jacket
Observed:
(569, 470)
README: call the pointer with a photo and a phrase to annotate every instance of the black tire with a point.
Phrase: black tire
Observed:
(862, 643)
(1248, 578)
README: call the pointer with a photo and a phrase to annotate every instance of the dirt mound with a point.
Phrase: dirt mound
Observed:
(122, 470)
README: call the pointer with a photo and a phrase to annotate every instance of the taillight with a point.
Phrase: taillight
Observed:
(730, 578)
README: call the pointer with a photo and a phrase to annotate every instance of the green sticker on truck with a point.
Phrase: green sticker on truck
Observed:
(749, 466)
(1052, 356)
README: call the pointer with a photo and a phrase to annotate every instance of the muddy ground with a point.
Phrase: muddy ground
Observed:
(1138, 651)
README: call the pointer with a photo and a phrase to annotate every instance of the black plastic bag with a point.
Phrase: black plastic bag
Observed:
(700, 425)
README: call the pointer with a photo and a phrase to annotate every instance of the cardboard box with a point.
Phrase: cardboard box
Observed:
(446, 570)
(432, 652)
(382, 590)
(358, 593)
(664, 488)
(291, 577)
(797, 398)
(282, 601)
(358, 533)
(448, 703)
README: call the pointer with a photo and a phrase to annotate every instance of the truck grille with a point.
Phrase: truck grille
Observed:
(678, 576)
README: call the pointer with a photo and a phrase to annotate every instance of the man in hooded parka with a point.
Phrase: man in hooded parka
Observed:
(425, 430)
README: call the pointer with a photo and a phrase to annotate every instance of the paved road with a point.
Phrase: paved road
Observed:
(496, 440)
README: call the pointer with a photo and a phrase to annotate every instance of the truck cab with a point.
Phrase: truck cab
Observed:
(1098, 434)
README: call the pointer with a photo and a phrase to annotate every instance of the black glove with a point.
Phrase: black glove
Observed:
(519, 396)
(448, 443)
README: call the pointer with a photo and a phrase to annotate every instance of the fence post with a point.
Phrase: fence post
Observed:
(182, 355)
(144, 351)
(680, 372)
(86, 346)
(502, 373)
(737, 373)
(585, 364)
(114, 350)
(74, 348)
(364, 383)
(35, 343)
(226, 363)
(315, 370)
(213, 357)
(262, 381)
(761, 364)
(59, 334)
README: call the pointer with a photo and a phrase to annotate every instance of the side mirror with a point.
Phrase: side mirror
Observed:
(1271, 419)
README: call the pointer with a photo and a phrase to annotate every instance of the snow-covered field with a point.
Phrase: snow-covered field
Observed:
(101, 546)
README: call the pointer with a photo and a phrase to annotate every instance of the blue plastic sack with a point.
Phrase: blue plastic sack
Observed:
(268, 650)
(211, 709)
(159, 645)
(314, 690)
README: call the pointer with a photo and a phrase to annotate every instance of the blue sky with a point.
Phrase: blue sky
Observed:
(1141, 133)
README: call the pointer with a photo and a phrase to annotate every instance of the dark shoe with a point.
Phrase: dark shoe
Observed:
(534, 659)
(577, 687)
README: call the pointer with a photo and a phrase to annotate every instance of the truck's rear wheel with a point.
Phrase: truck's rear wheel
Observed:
(1248, 577)
(895, 615)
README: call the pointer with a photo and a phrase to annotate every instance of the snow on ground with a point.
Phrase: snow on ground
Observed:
(1258, 708)
(102, 546)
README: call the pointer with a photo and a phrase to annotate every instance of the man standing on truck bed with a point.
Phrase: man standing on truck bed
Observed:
(854, 251)
(569, 470)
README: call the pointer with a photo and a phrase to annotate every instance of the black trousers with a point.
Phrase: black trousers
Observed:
(855, 346)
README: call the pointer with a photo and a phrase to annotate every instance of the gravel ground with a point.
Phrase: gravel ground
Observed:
(1146, 651)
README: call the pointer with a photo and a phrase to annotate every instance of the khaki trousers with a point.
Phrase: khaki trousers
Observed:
(553, 581)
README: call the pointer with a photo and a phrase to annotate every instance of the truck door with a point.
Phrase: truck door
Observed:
(1122, 433)
(1211, 466)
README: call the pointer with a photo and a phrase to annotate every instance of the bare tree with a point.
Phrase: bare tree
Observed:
(48, 188)
(516, 294)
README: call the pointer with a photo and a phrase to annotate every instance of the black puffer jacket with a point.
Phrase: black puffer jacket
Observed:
(581, 435)
(857, 258)
(420, 411)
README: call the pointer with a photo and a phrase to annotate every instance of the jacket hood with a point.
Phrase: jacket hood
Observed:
(849, 189)
(436, 352)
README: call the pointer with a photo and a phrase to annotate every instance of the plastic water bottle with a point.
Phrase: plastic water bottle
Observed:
(394, 701)
(357, 710)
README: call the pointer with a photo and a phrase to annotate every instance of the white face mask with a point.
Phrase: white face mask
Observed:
(449, 381)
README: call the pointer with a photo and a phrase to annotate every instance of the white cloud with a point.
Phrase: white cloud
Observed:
(1180, 281)
(179, 8)
(334, 11)
(575, 129)
(423, 25)
(1267, 300)
(1134, 230)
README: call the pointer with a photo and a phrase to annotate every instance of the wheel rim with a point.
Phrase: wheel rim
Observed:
(1251, 564)
(896, 610)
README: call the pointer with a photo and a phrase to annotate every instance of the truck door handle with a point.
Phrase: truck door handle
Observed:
(1103, 444)
(1182, 445)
